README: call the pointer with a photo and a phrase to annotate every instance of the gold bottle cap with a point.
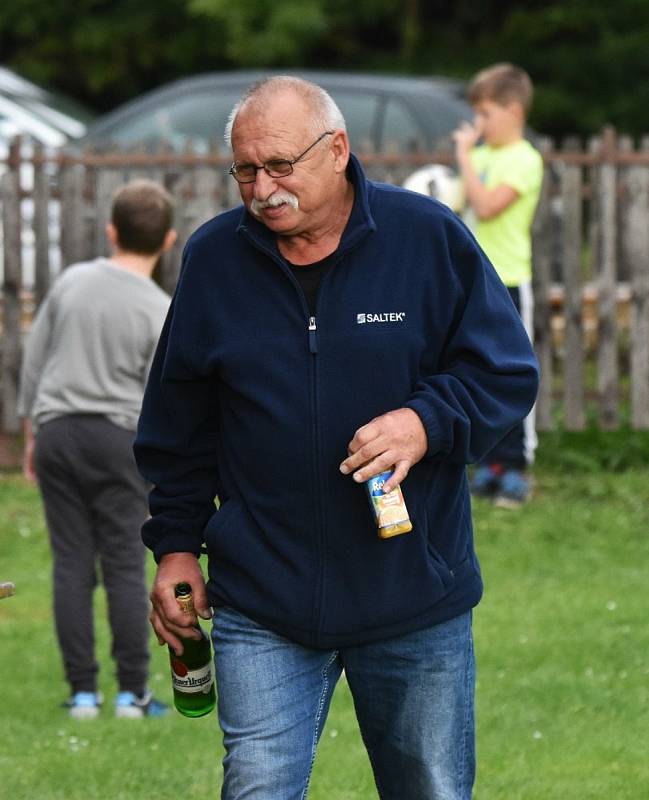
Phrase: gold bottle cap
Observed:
(184, 598)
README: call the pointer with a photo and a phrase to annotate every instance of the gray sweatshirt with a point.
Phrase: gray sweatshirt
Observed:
(91, 345)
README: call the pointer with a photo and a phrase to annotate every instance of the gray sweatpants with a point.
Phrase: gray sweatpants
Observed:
(95, 504)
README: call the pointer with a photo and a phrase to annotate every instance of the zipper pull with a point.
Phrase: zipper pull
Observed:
(313, 344)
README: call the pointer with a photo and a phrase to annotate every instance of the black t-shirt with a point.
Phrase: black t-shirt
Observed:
(310, 276)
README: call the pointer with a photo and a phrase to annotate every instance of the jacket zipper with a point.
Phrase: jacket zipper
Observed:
(313, 342)
(318, 607)
(312, 333)
(318, 611)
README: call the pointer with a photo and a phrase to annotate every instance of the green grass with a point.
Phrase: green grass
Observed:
(561, 640)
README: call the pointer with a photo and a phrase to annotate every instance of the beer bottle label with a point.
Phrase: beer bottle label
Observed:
(191, 681)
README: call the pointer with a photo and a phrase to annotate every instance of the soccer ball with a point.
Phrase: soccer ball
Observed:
(440, 182)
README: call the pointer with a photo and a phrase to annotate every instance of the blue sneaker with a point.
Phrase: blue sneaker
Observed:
(486, 480)
(84, 705)
(514, 490)
(129, 706)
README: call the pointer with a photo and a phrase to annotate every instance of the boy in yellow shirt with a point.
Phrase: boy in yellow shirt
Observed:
(502, 181)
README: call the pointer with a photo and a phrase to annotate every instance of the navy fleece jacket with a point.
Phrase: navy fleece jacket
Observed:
(252, 400)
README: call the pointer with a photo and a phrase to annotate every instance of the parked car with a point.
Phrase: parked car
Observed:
(384, 112)
(37, 113)
(51, 119)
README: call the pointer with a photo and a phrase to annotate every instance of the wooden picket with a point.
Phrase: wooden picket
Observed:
(638, 249)
(11, 285)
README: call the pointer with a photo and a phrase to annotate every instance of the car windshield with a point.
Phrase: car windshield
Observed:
(382, 114)
(197, 118)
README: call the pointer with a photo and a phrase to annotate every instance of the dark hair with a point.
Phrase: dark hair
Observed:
(502, 83)
(142, 214)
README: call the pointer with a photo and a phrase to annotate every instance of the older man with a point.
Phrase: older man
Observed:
(329, 330)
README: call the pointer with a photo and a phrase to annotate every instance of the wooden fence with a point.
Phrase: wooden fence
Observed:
(591, 257)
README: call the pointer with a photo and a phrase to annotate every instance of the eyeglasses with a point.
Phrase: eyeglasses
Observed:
(276, 167)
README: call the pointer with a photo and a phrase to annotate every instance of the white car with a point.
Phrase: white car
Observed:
(31, 111)
(41, 116)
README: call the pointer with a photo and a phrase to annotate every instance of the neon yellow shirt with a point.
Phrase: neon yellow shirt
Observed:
(506, 238)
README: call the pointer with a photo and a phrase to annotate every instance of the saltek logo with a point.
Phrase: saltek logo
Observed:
(386, 316)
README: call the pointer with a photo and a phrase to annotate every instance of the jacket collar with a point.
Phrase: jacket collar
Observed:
(360, 222)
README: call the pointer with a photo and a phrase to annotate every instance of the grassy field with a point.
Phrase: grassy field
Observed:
(562, 645)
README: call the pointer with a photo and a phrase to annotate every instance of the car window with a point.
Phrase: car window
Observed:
(400, 130)
(198, 117)
(377, 112)
(360, 112)
(442, 116)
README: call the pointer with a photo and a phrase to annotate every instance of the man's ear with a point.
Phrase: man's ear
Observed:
(340, 150)
(111, 234)
(169, 240)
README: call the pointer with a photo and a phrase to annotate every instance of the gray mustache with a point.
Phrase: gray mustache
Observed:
(273, 201)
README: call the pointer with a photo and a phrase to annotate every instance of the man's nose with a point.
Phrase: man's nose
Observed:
(264, 185)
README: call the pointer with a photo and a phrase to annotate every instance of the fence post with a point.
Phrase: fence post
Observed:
(541, 281)
(41, 227)
(106, 180)
(199, 195)
(638, 254)
(607, 362)
(624, 146)
(573, 373)
(73, 226)
(11, 344)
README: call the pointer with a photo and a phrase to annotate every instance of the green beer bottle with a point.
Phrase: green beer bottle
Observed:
(192, 677)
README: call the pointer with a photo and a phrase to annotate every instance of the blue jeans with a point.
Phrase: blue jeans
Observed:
(413, 696)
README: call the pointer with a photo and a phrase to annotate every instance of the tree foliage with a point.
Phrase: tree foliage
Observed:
(259, 32)
(103, 52)
(587, 57)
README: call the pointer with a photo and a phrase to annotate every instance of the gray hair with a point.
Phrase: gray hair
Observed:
(326, 114)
